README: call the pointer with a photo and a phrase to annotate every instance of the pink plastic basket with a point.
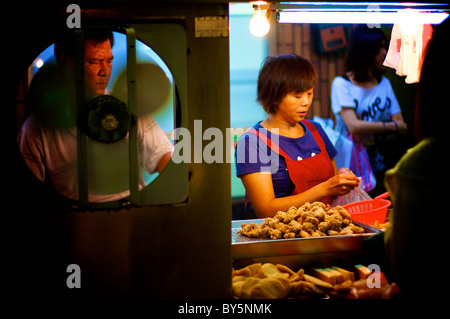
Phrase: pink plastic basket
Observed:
(368, 211)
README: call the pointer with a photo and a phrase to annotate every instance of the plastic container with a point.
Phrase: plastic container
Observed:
(368, 211)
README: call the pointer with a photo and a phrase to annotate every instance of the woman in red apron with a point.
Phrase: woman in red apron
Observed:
(285, 90)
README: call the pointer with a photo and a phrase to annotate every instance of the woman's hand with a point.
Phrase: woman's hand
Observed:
(259, 188)
(341, 184)
(344, 170)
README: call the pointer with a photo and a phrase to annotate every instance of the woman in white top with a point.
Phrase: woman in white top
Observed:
(363, 100)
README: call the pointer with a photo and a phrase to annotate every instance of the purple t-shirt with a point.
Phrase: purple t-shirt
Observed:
(253, 155)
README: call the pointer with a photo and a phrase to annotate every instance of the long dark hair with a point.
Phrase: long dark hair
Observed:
(364, 45)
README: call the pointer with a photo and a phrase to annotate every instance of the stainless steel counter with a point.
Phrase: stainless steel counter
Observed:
(298, 252)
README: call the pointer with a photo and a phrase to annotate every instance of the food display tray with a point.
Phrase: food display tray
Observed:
(311, 249)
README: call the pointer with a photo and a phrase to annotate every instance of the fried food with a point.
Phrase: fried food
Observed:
(270, 270)
(270, 288)
(318, 282)
(248, 271)
(269, 281)
(310, 220)
(382, 226)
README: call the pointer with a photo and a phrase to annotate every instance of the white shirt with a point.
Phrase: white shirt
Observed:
(51, 154)
(373, 105)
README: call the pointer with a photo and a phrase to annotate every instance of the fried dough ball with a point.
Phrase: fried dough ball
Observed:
(309, 227)
(346, 222)
(292, 211)
(317, 233)
(319, 211)
(306, 206)
(343, 212)
(324, 226)
(275, 233)
(334, 223)
(266, 222)
(295, 227)
(355, 229)
(304, 234)
(334, 215)
(298, 213)
(312, 220)
(346, 231)
(274, 222)
(280, 216)
(250, 230)
(319, 204)
(283, 227)
(351, 229)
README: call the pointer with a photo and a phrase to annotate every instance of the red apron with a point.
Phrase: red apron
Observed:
(308, 172)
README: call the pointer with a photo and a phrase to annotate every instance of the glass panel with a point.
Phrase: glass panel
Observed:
(49, 144)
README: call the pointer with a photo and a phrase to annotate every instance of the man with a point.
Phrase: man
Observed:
(98, 58)
(50, 149)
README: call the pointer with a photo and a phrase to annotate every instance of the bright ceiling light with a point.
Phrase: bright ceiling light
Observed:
(259, 25)
(361, 17)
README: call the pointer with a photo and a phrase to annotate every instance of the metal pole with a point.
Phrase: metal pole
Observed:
(80, 104)
(132, 105)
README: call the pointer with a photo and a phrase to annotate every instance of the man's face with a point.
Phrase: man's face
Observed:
(97, 66)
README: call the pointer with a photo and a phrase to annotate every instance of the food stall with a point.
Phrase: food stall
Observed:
(253, 245)
(170, 239)
(315, 240)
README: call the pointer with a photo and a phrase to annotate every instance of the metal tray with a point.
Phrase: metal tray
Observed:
(243, 247)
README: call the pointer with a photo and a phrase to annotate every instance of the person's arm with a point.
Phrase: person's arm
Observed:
(163, 162)
(359, 127)
(259, 188)
(32, 149)
(155, 149)
(402, 127)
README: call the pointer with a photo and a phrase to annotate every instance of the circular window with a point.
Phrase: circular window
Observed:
(48, 117)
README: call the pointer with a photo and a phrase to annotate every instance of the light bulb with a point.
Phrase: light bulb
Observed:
(259, 26)
(39, 62)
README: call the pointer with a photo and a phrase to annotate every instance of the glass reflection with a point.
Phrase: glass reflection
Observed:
(48, 137)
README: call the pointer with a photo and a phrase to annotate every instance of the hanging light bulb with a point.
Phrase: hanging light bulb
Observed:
(259, 26)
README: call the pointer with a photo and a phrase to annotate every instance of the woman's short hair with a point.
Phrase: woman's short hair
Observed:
(363, 46)
(282, 75)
